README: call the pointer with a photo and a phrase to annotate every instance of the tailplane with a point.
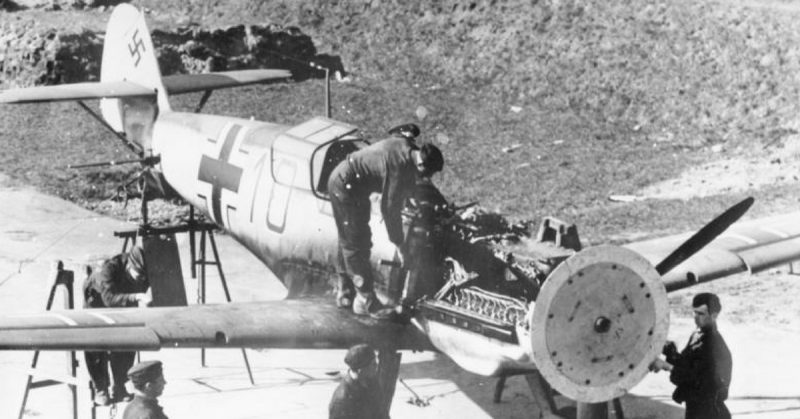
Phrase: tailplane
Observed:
(128, 55)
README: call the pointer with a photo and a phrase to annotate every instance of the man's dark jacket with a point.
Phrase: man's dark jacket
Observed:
(357, 400)
(143, 408)
(702, 375)
(112, 285)
(386, 167)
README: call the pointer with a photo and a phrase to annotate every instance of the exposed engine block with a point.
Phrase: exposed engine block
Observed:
(499, 308)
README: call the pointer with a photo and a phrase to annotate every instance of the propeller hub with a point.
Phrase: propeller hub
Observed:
(602, 324)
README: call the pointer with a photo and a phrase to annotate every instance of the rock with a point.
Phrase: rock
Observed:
(421, 112)
(768, 60)
(624, 198)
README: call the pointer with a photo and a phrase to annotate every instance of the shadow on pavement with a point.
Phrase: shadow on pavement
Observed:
(516, 400)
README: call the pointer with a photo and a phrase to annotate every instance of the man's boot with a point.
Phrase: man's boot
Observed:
(344, 291)
(366, 303)
(101, 397)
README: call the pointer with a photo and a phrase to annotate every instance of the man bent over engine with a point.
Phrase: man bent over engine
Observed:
(390, 167)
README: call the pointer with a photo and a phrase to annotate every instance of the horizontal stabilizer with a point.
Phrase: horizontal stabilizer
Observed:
(186, 83)
(75, 91)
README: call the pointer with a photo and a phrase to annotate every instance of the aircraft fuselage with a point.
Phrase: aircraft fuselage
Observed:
(255, 179)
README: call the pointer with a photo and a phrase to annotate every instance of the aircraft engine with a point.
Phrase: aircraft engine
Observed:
(599, 320)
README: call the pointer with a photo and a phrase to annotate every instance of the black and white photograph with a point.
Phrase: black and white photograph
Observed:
(347, 209)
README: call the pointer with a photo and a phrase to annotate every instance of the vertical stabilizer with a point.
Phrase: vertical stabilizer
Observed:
(128, 54)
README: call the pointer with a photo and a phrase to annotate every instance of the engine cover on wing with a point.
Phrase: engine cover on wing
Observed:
(599, 321)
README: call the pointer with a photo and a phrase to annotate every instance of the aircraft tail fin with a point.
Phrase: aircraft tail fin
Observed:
(128, 55)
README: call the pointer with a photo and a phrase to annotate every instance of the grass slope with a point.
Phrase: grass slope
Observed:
(600, 97)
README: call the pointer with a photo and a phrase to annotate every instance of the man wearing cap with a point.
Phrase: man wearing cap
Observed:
(408, 131)
(120, 282)
(390, 167)
(148, 382)
(359, 395)
(701, 372)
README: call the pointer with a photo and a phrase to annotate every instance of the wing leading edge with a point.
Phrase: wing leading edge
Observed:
(309, 324)
(752, 246)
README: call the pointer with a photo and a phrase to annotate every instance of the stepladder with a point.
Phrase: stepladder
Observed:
(64, 279)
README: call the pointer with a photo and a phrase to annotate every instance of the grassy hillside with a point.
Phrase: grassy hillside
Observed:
(683, 72)
(594, 97)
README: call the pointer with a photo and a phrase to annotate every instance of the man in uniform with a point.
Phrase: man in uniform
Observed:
(148, 384)
(701, 372)
(425, 245)
(390, 167)
(120, 282)
(359, 395)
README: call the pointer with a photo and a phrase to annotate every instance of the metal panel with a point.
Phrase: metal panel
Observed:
(163, 266)
(772, 255)
(706, 265)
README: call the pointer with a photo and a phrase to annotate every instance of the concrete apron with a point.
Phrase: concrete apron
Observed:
(36, 230)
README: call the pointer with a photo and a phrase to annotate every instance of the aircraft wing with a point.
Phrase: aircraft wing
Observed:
(75, 91)
(751, 246)
(312, 324)
(186, 83)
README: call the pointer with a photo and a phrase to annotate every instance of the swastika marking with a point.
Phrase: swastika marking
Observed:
(136, 48)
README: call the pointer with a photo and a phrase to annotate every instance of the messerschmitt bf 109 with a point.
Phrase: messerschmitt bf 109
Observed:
(589, 320)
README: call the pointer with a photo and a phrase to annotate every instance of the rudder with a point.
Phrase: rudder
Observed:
(128, 54)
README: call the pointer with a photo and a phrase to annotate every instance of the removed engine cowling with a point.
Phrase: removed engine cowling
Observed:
(590, 321)
(600, 318)
(595, 319)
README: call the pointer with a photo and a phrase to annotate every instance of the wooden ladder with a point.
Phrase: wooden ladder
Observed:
(66, 279)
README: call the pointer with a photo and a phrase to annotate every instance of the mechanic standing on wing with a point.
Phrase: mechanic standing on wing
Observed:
(425, 245)
(702, 371)
(148, 382)
(390, 167)
(121, 282)
(359, 395)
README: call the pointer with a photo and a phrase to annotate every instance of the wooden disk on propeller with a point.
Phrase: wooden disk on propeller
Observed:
(599, 321)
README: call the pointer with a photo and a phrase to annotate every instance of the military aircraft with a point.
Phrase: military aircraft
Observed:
(589, 320)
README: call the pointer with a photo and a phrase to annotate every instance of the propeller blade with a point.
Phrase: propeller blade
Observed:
(704, 236)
